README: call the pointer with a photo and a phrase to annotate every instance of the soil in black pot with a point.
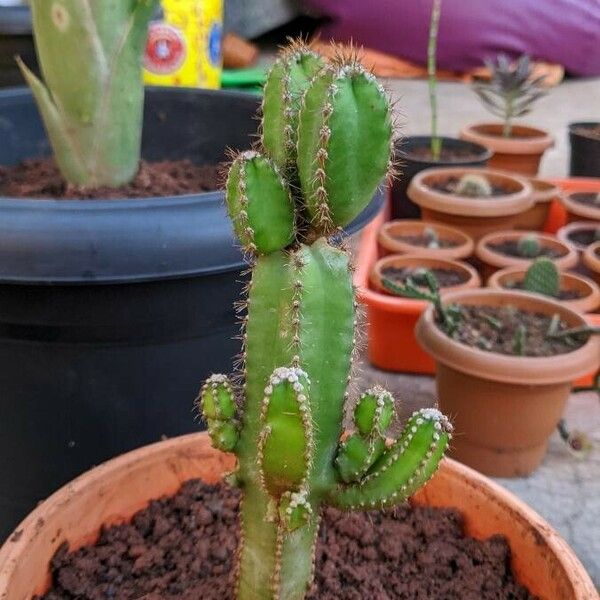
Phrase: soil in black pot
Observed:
(587, 199)
(571, 294)
(450, 185)
(590, 132)
(424, 241)
(183, 547)
(583, 237)
(40, 178)
(511, 248)
(447, 155)
(496, 329)
(445, 277)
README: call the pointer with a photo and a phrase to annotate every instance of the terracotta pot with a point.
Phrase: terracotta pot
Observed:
(504, 408)
(591, 258)
(389, 242)
(492, 261)
(520, 153)
(588, 290)
(535, 218)
(114, 491)
(415, 261)
(474, 216)
(564, 233)
(580, 212)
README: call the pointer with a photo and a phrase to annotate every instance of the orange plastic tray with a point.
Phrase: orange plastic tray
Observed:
(391, 321)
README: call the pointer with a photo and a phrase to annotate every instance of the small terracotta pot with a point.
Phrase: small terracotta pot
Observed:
(564, 233)
(114, 491)
(415, 261)
(535, 218)
(474, 216)
(492, 261)
(588, 290)
(580, 212)
(520, 153)
(504, 408)
(591, 258)
(389, 242)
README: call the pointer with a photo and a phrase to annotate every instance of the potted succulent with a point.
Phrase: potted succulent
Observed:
(286, 433)
(591, 258)
(584, 138)
(510, 93)
(520, 248)
(420, 152)
(89, 283)
(476, 201)
(428, 239)
(582, 206)
(543, 277)
(544, 193)
(579, 234)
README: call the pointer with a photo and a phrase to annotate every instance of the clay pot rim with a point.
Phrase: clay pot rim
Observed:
(196, 446)
(523, 370)
(591, 257)
(587, 303)
(386, 239)
(581, 210)
(563, 233)
(498, 260)
(544, 190)
(473, 281)
(540, 141)
(509, 204)
(484, 153)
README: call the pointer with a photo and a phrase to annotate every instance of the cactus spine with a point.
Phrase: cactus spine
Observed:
(299, 331)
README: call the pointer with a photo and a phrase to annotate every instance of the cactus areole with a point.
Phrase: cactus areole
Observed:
(326, 145)
(91, 97)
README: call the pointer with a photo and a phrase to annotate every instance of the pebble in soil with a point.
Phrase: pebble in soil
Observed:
(183, 547)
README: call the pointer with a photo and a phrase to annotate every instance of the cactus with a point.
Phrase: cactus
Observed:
(519, 340)
(91, 99)
(283, 418)
(473, 185)
(434, 25)
(528, 246)
(542, 277)
(433, 240)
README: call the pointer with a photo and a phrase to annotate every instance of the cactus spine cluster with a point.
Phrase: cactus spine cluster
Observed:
(326, 145)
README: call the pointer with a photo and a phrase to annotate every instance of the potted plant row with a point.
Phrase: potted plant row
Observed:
(279, 431)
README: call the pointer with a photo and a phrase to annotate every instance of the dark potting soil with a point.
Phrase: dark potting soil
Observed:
(447, 155)
(511, 248)
(40, 178)
(571, 294)
(590, 132)
(494, 328)
(445, 277)
(424, 241)
(450, 185)
(183, 547)
(587, 198)
(584, 237)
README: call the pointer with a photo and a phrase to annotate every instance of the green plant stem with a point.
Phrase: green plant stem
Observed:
(507, 126)
(576, 331)
(436, 142)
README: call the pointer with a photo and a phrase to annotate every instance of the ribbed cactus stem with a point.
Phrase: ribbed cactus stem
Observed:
(529, 246)
(542, 277)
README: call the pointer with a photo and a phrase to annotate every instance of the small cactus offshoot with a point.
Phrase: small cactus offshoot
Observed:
(542, 277)
(326, 145)
(511, 91)
(529, 246)
(433, 240)
(474, 185)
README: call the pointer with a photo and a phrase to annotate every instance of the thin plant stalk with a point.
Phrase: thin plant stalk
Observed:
(436, 141)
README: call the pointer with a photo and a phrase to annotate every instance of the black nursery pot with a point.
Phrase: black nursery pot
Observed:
(112, 312)
(585, 150)
(16, 39)
(471, 155)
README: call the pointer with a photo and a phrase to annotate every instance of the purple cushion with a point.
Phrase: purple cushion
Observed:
(558, 31)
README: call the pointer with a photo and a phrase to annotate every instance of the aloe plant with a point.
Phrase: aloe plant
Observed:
(326, 145)
(91, 97)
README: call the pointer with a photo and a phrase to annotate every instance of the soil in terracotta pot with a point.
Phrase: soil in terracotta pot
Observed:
(445, 277)
(584, 237)
(424, 241)
(571, 294)
(495, 329)
(511, 248)
(449, 186)
(447, 155)
(587, 199)
(182, 548)
(40, 178)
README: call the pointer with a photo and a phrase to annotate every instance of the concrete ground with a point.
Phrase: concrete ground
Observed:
(564, 490)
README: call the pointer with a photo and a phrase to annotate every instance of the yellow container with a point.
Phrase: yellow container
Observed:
(184, 46)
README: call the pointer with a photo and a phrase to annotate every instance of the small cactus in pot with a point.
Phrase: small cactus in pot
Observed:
(473, 185)
(283, 416)
(529, 246)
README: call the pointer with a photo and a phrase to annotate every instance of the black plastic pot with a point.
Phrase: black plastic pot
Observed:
(112, 312)
(15, 40)
(585, 151)
(402, 206)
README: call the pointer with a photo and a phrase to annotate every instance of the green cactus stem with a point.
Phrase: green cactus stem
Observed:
(542, 277)
(519, 340)
(299, 334)
(473, 185)
(91, 97)
(529, 246)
